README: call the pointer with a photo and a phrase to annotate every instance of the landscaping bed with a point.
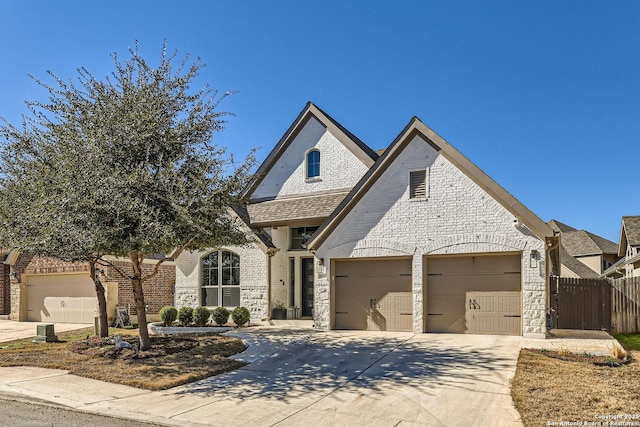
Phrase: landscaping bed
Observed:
(554, 387)
(170, 362)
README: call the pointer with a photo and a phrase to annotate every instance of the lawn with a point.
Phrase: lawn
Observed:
(551, 387)
(172, 361)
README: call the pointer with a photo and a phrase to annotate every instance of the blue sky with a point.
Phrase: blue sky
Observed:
(544, 96)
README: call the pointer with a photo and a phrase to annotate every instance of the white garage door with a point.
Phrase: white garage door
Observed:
(450, 278)
(373, 295)
(62, 298)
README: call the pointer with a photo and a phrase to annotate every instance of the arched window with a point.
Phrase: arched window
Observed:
(220, 272)
(313, 163)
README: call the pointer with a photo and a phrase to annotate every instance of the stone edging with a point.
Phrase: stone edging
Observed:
(157, 328)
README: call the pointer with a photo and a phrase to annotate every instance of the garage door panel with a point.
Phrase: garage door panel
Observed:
(450, 278)
(373, 295)
(64, 298)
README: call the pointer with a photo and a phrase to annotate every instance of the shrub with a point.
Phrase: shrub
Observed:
(185, 316)
(168, 314)
(201, 316)
(220, 315)
(240, 315)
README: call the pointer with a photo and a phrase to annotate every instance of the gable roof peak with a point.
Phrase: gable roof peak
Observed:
(361, 150)
(413, 128)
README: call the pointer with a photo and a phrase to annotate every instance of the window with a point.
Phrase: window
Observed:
(220, 279)
(300, 236)
(313, 164)
(418, 184)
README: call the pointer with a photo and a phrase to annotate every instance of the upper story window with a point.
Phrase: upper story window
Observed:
(313, 163)
(300, 236)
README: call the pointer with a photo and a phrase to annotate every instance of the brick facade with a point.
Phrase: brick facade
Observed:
(253, 279)
(339, 167)
(158, 291)
(457, 217)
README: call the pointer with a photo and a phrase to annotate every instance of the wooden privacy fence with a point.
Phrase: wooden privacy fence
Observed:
(581, 303)
(625, 305)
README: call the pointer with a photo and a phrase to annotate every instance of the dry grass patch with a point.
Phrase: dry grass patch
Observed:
(553, 387)
(172, 361)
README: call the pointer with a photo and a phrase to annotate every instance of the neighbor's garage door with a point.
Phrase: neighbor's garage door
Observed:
(64, 298)
(373, 295)
(450, 278)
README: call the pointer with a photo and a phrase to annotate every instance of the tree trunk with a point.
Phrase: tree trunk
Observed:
(138, 297)
(102, 301)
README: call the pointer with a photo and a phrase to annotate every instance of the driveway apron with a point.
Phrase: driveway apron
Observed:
(356, 379)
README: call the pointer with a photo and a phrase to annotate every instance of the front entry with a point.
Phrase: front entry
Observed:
(307, 287)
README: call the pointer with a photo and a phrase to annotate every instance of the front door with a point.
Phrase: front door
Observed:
(307, 287)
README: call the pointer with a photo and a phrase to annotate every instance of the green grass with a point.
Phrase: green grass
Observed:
(629, 341)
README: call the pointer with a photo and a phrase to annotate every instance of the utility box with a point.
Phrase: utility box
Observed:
(45, 333)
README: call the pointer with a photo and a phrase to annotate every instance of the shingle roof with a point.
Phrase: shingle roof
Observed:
(631, 225)
(279, 211)
(262, 235)
(560, 227)
(582, 242)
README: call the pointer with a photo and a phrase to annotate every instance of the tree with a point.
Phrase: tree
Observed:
(123, 166)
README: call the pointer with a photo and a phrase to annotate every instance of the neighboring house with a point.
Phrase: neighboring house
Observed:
(417, 239)
(591, 250)
(628, 249)
(51, 290)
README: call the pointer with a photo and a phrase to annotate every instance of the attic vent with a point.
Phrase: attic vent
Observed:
(418, 184)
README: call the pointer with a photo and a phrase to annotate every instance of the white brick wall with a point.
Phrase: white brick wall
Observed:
(457, 217)
(339, 168)
(253, 279)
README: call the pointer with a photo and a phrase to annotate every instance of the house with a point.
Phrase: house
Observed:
(412, 238)
(52, 290)
(581, 249)
(628, 249)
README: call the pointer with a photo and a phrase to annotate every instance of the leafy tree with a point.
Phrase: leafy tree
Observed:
(122, 166)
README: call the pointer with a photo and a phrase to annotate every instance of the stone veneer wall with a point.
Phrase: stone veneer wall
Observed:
(253, 279)
(457, 217)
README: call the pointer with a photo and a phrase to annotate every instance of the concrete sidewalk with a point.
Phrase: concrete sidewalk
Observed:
(598, 343)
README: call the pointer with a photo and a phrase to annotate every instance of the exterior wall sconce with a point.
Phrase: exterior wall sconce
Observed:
(533, 259)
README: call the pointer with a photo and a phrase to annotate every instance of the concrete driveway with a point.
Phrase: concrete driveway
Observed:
(304, 377)
(11, 330)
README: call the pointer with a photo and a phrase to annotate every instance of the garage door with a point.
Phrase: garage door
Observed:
(450, 278)
(64, 298)
(373, 295)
